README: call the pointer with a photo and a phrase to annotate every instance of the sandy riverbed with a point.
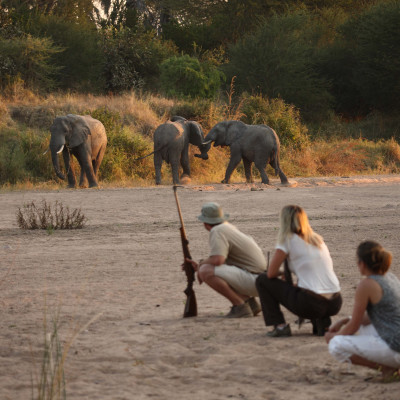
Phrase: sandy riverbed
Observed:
(123, 270)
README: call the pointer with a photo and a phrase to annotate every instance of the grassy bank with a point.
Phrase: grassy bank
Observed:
(332, 148)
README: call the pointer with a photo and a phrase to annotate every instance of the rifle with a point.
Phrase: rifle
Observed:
(191, 304)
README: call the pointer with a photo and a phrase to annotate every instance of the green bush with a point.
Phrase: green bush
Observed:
(132, 59)
(21, 156)
(279, 60)
(123, 147)
(283, 118)
(187, 76)
(80, 63)
(119, 162)
(363, 62)
(28, 59)
(202, 110)
(374, 39)
(111, 120)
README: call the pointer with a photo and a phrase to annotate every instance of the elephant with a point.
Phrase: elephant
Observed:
(171, 144)
(250, 143)
(86, 139)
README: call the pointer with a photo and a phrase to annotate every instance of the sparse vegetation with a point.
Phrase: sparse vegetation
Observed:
(51, 382)
(48, 382)
(48, 217)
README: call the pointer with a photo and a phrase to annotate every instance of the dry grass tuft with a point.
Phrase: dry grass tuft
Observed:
(46, 217)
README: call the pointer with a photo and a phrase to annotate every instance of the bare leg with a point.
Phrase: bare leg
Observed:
(387, 372)
(206, 274)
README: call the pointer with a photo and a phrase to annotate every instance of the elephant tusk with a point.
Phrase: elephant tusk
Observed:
(46, 150)
(208, 141)
(59, 151)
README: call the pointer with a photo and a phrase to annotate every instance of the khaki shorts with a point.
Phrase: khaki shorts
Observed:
(242, 281)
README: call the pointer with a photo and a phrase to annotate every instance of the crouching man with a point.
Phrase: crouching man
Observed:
(234, 263)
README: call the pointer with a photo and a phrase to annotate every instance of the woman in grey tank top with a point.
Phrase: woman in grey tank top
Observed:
(375, 317)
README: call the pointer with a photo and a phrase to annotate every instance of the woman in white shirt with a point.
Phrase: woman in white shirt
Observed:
(317, 293)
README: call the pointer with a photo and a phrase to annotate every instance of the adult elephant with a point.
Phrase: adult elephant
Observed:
(83, 137)
(171, 144)
(250, 143)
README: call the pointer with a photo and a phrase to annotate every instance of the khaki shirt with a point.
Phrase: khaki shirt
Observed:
(238, 248)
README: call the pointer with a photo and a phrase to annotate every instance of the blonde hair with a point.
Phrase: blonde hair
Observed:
(375, 257)
(293, 219)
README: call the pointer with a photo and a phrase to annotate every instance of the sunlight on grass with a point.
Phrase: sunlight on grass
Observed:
(131, 119)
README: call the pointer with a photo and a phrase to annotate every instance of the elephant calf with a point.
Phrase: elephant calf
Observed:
(86, 139)
(171, 144)
(250, 143)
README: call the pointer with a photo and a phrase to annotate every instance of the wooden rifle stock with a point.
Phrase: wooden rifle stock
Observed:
(191, 304)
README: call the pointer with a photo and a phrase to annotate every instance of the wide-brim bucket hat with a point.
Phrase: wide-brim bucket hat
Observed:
(212, 213)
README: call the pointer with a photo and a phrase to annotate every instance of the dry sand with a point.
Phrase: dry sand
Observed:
(123, 269)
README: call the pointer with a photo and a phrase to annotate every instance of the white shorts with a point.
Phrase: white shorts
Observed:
(242, 281)
(365, 343)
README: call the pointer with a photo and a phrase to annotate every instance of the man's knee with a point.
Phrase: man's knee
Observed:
(206, 272)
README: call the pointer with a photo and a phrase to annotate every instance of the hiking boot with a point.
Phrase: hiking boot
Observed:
(240, 311)
(280, 332)
(254, 305)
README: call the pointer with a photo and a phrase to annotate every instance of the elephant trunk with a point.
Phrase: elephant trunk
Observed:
(56, 165)
(204, 149)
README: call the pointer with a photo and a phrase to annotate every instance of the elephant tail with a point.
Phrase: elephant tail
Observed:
(275, 162)
(148, 155)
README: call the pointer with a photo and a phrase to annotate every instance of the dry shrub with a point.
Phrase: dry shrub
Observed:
(339, 158)
(15, 92)
(48, 217)
(4, 114)
(298, 162)
(232, 110)
(213, 170)
(133, 110)
(392, 151)
(38, 116)
(160, 105)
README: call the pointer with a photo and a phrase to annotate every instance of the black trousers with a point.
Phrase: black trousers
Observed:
(302, 302)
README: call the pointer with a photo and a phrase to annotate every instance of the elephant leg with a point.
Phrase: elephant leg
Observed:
(157, 166)
(233, 163)
(247, 170)
(277, 168)
(185, 163)
(85, 161)
(283, 177)
(175, 171)
(260, 165)
(70, 170)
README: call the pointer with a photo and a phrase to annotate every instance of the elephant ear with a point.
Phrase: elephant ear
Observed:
(234, 131)
(196, 135)
(79, 130)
